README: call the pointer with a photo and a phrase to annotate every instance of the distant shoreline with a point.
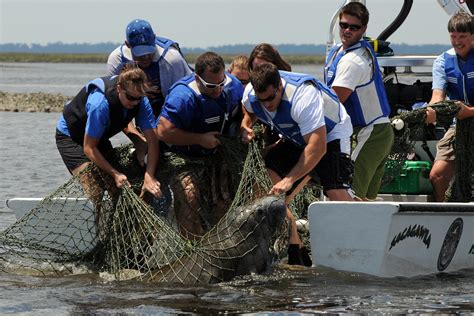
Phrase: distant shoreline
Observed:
(102, 58)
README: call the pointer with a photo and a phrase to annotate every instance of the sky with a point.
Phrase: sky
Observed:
(205, 23)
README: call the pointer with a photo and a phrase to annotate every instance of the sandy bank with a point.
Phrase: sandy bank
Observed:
(32, 102)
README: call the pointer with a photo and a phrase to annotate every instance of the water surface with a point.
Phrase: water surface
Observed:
(31, 167)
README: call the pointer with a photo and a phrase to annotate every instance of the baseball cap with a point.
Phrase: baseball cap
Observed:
(140, 37)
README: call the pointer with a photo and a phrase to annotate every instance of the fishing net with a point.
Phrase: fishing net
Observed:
(212, 222)
(414, 129)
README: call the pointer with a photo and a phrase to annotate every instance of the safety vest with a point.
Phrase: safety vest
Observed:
(460, 82)
(282, 121)
(75, 113)
(153, 71)
(361, 105)
(209, 115)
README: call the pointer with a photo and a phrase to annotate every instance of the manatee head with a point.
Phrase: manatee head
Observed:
(257, 223)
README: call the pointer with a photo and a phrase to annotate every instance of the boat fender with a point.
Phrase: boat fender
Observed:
(302, 225)
(398, 124)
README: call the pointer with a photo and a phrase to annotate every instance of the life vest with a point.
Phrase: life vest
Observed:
(361, 105)
(75, 113)
(153, 71)
(460, 82)
(282, 121)
(210, 115)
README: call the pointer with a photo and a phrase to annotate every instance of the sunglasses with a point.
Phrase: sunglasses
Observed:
(352, 27)
(270, 98)
(131, 97)
(212, 85)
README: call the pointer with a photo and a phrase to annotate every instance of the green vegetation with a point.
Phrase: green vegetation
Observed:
(102, 58)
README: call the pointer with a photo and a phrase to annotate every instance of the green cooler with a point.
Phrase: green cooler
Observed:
(412, 179)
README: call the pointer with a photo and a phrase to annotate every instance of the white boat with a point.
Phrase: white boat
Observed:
(70, 221)
(390, 239)
(403, 236)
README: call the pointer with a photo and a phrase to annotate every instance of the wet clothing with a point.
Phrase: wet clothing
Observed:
(167, 67)
(191, 111)
(356, 68)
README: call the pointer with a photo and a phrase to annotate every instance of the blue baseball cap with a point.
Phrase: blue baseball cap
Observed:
(140, 38)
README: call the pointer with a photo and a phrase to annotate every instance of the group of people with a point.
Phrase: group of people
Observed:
(153, 95)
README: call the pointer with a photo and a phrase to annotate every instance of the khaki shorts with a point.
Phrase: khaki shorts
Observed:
(445, 147)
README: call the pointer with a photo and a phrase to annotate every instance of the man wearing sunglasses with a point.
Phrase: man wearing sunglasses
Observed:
(98, 112)
(352, 71)
(199, 107)
(316, 134)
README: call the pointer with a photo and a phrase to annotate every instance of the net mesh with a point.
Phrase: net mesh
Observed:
(213, 221)
(414, 129)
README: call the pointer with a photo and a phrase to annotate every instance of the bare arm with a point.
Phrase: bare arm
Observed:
(170, 134)
(139, 142)
(92, 152)
(246, 131)
(465, 111)
(313, 152)
(150, 184)
(342, 93)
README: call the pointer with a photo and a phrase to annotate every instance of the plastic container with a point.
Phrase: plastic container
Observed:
(413, 179)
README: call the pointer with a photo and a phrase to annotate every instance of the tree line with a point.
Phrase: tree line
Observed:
(286, 49)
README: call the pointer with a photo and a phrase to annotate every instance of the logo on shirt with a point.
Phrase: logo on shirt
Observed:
(212, 120)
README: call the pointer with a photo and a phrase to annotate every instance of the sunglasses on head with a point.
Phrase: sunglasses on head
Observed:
(270, 98)
(352, 27)
(212, 85)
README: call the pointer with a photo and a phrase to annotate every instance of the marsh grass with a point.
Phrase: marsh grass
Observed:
(102, 58)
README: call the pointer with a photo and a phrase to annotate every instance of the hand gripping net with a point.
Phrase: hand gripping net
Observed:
(88, 225)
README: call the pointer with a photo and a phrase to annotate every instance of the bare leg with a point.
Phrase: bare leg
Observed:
(440, 176)
(187, 213)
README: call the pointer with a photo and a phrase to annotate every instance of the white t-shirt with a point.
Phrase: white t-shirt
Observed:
(307, 112)
(355, 69)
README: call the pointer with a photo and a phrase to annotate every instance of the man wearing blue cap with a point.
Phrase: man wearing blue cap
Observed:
(162, 62)
(160, 58)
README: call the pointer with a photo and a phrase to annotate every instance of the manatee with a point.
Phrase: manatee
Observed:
(239, 244)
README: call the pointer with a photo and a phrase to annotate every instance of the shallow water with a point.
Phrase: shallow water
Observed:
(31, 167)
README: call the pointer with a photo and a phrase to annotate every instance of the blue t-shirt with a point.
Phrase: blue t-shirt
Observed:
(191, 111)
(98, 116)
(439, 75)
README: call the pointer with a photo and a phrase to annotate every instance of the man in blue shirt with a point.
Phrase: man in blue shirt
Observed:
(101, 110)
(198, 108)
(453, 77)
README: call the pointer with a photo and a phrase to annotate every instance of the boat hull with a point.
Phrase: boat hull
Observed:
(391, 239)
